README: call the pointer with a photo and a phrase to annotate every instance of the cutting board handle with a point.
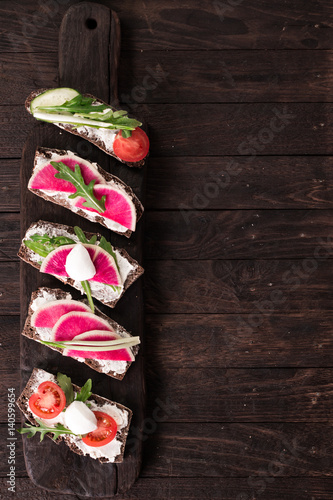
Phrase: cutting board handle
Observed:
(89, 49)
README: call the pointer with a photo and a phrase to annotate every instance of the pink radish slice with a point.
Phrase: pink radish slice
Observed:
(75, 323)
(119, 206)
(124, 354)
(49, 313)
(106, 269)
(44, 178)
(55, 262)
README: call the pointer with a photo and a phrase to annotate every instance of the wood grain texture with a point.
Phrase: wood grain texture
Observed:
(159, 77)
(279, 182)
(213, 25)
(227, 76)
(244, 329)
(250, 288)
(86, 53)
(269, 488)
(239, 234)
(9, 185)
(195, 129)
(220, 341)
(196, 450)
(204, 395)
(10, 288)
(256, 288)
(236, 234)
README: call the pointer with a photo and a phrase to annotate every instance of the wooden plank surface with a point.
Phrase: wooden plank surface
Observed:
(251, 322)
(159, 77)
(204, 235)
(194, 130)
(252, 288)
(227, 450)
(221, 341)
(262, 24)
(274, 488)
(299, 182)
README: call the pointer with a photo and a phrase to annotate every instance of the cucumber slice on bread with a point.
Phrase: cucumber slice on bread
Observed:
(53, 97)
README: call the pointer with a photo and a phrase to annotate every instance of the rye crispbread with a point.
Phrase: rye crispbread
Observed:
(72, 129)
(63, 200)
(58, 294)
(27, 256)
(23, 404)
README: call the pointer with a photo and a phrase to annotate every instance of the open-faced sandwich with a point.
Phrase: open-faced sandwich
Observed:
(85, 188)
(86, 261)
(111, 130)
(87, 423)
(71, 328)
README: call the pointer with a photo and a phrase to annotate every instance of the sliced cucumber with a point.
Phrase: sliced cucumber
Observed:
(53, 97)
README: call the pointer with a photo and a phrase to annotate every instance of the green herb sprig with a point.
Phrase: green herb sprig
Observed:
(65, 384)
(82, 189)
(94, 345)
(44, 244)
(44, 429)
(85, 392)
(86, 107)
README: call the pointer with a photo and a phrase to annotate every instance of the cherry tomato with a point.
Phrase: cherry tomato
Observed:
(48, 401)
(105, 432)
(132, 149)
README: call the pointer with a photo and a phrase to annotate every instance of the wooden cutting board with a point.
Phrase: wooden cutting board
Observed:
(89, 47)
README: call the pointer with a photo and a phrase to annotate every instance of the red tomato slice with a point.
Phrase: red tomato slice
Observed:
(105, 432)
(132, 149)
(48, 401)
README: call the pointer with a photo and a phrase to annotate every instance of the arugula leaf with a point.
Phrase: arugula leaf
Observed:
(80, 234)
(86, 107)
(93, 240)
(66, 385)
(44, 429)
(44, 244)
(106, 245)
(85, 392)
(36, 247)
(82, 189)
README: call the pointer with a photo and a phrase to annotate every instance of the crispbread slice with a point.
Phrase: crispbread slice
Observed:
(58, 294)
(35, 379)
(45, 155)
(54, 229)
(89, 136)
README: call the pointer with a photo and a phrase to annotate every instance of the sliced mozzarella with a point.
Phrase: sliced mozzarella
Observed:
(79, 265)
(79, 418)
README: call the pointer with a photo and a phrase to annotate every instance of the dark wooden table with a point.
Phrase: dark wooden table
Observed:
(239, 238)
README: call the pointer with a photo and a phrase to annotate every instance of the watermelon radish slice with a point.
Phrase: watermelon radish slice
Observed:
(49, 313)
(44, 177)
(124, 354)
(119, 206)
(106, 268)
(74, 323)
(55, 262)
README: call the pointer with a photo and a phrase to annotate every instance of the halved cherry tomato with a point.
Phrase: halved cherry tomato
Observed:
(105, 432)
(132, 149)
(48, 401)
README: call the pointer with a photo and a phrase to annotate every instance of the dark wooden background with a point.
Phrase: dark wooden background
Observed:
(239, 241)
